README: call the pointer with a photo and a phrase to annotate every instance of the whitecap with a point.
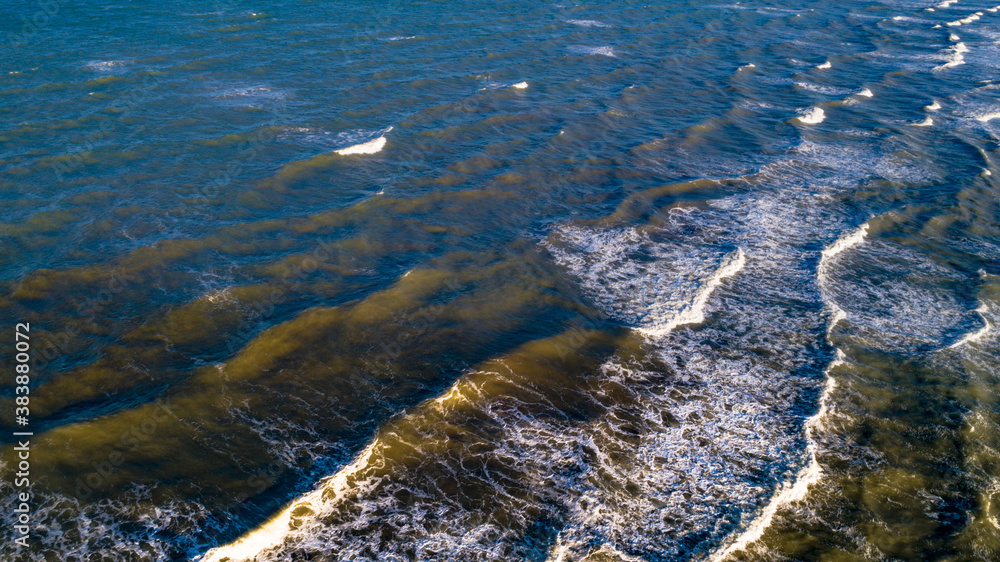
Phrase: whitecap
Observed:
(587, 23)
(983, 309)
(370, 147)
(520, 85)
(825, 65)
(275, 529)
(107, 66)
(933, 106)
(957, 56)
(927, 122)
(812, 116)
(583, 50)
(694, 313)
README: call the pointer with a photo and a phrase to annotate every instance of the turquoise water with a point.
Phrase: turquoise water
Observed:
(531, 281)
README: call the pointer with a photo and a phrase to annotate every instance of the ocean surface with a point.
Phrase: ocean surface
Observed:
(550, 281)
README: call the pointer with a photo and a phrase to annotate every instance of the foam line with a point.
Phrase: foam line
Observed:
(695, 312)
(977, 335)
(957, 56)
(798, 487)
(273, 532)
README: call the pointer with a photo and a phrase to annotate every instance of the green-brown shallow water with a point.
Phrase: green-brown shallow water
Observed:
(532, 281)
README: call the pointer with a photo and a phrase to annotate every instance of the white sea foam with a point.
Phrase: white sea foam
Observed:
(812, 116)
(825, 65)
(987, 117)
(934, 106)
(604, 51)
(747, 66)
(866, 93)
(927, 122)
(954, 37)
(978, 334)
(798, 487)
(520, 85)
(107, 66)
(587, 23)
(965, 20)
(812, 472)
(274, 531)
(842, 244)
(947, 3)
(956, 58)
(371, 147)
(694, 313)
(823, 89)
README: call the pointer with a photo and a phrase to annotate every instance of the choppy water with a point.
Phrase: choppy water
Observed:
(515, 281)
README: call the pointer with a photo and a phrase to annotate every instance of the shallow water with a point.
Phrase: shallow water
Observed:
(464, 281)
